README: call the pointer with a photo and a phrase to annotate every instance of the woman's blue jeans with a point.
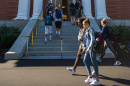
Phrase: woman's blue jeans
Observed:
(91, 55)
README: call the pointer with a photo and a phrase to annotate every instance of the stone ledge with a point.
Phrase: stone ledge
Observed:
(16, 51)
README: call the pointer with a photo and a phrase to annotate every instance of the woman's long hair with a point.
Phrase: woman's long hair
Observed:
(80, 20)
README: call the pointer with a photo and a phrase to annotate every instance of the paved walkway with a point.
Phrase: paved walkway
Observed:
(54, 73)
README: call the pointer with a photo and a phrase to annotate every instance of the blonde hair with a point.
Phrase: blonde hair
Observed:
(104, 20)
(86, 21)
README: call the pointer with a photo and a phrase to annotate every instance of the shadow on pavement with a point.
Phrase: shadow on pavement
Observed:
(3, 61)
(65, 62)
(118, 80)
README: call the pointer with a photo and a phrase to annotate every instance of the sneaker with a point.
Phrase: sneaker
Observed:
(117, 63)
(93, 73)
(89, 80)
(95, 82)
(98, 59)
(45, 42)
(71, 70)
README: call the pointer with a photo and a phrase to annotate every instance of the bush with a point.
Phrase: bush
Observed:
(8, 35)
(122, 32)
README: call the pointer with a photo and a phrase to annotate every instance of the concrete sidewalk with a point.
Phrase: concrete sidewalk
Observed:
(54, 73)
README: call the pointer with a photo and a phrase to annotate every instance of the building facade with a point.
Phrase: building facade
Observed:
(26, 9)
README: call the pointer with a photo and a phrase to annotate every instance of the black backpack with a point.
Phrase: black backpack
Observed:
(112, 34)
(58, 14)
(73, 10)
(98, 45)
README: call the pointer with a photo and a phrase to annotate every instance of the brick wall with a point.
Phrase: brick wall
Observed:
(8, 9)
(45, 2)
(116, 9)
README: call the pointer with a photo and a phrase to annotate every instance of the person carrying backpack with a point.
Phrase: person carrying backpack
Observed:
(108, 42)
(72, 12)
(48, 26)
(89, 39)
(57, 17)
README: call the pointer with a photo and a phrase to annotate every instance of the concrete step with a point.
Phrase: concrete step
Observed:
(54, 41)
(63, 34)
(51, 53)
(53, 48)
(53, 44)
(50, 57)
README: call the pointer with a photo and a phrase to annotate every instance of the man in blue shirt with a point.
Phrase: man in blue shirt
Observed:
(48, 26)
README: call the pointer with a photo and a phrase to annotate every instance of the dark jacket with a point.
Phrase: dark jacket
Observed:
(76, 5)
(105, 32)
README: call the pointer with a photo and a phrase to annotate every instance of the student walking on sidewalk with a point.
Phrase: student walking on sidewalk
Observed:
(79, 22)
(107, 42)
(57, 17)
(89, 39)
(48, 26)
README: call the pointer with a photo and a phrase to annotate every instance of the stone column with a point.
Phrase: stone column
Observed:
(100, 9)
(73, 1)
(37, 8)
(23, 10)
(87, 8)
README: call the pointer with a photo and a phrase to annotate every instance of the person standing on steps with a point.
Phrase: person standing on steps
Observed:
(49, 7)
(89, 39)
(72, 12)
(57, 17)
(48, 26)
(78, 22)
(77, 8)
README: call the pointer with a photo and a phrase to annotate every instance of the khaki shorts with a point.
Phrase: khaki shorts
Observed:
(48, 29)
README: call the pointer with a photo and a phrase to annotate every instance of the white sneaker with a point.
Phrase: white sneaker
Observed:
(71, 70)
(93, 73)
(95, 82)
(117, 63)
(89, 80)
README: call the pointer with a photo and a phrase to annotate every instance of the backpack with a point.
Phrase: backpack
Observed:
(73, 10)
(48, 20)
(112, 34)
(98, 43)
(58, 15)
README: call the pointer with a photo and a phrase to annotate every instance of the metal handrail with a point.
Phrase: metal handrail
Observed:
(61, 37)
(61, 40)
(36, 25)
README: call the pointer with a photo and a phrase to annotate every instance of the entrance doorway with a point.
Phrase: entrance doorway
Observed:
(63, 5)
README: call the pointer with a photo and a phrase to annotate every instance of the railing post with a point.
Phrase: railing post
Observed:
(39, 23)
(61, 46)
(42, 15)
(36, 28)
(32, 38)
(27, 48)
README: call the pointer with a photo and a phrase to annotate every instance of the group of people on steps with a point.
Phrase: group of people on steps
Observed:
(56, 16)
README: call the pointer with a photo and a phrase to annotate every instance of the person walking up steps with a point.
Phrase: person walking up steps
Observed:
(57, 17)
(48, 26)
(80, 39)
(107, 42)
(89, 39)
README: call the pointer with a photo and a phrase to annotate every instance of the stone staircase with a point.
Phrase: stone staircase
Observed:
(52, 50)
